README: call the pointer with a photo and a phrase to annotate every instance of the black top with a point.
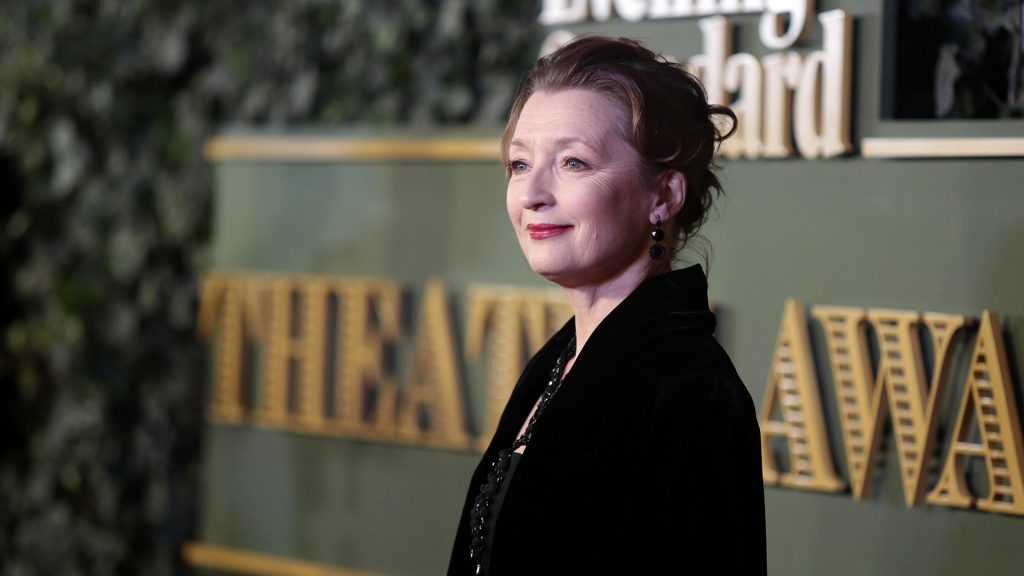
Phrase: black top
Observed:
(646, 462)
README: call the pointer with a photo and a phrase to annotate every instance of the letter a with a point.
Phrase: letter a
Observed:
(434, 387)
(794, 386)
(989, 402)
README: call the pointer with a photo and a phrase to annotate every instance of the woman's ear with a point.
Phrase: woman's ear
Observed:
(671, 194)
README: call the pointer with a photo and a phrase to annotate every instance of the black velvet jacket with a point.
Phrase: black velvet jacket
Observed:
(646, 462)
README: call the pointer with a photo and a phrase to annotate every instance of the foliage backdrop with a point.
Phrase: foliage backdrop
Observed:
(105, 203)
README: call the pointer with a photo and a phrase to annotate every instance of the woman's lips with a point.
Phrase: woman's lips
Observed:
(540, 231)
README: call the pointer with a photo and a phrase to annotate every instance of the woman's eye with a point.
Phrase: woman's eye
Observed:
(574, 163)
(516, 166)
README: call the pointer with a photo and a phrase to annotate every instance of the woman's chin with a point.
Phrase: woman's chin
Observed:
(549, 274)
(553, 273)
(566, 277)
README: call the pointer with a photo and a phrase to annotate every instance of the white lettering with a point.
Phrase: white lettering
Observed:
(782, 21)
(781, 76)
(710, 66)
(631, 10)
(779, 99)
(600, 10)
(743, 76)
(773, 33)
(823, 97)
(555, 12)
(670, 9)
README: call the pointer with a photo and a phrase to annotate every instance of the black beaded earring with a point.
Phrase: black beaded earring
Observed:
(657, 251)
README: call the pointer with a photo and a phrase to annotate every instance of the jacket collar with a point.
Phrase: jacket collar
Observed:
(677, 300)
(670, 302)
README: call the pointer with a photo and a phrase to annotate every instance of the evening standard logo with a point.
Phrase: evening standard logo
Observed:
(782, 98)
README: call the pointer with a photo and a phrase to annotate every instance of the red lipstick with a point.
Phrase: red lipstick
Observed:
(541, 231)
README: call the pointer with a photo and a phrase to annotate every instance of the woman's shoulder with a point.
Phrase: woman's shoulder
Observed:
(691, 371)
(681, 351)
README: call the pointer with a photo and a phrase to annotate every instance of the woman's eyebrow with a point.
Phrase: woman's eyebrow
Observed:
(560, 141)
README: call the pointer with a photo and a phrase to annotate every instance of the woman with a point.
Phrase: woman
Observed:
(629, 444)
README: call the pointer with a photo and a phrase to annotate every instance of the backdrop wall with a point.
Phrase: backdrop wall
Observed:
(940, 235)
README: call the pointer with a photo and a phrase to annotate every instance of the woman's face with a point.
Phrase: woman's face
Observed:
(576, 196)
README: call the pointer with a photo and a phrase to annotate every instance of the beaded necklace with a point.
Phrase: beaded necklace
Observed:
(479, 516)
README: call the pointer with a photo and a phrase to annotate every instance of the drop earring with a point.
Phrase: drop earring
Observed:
(657, 251)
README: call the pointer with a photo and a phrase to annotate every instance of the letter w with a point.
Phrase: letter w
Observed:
(899, 386)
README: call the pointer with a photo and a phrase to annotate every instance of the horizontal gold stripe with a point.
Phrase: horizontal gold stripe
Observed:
(312, 149)
(941, 147)
(212, 557)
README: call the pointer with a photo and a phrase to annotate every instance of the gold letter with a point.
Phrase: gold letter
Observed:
(900, 386)
(433, 391)
(361, 346)
(794, 386)
(901, 377)
(229, 309)
(293, 354)
(509, 315)
(989, 392)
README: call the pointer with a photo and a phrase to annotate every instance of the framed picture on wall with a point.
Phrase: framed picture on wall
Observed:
(954, 59)
(953, 72)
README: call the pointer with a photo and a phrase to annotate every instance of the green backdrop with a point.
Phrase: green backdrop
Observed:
(929, 235)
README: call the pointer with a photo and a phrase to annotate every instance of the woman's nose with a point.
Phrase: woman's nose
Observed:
(536, 191)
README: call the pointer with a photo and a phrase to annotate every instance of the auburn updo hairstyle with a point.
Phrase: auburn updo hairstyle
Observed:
(673, 125)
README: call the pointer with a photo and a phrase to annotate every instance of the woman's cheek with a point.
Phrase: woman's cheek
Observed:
(512, 206)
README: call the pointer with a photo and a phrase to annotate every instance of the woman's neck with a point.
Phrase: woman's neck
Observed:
(591, 304)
